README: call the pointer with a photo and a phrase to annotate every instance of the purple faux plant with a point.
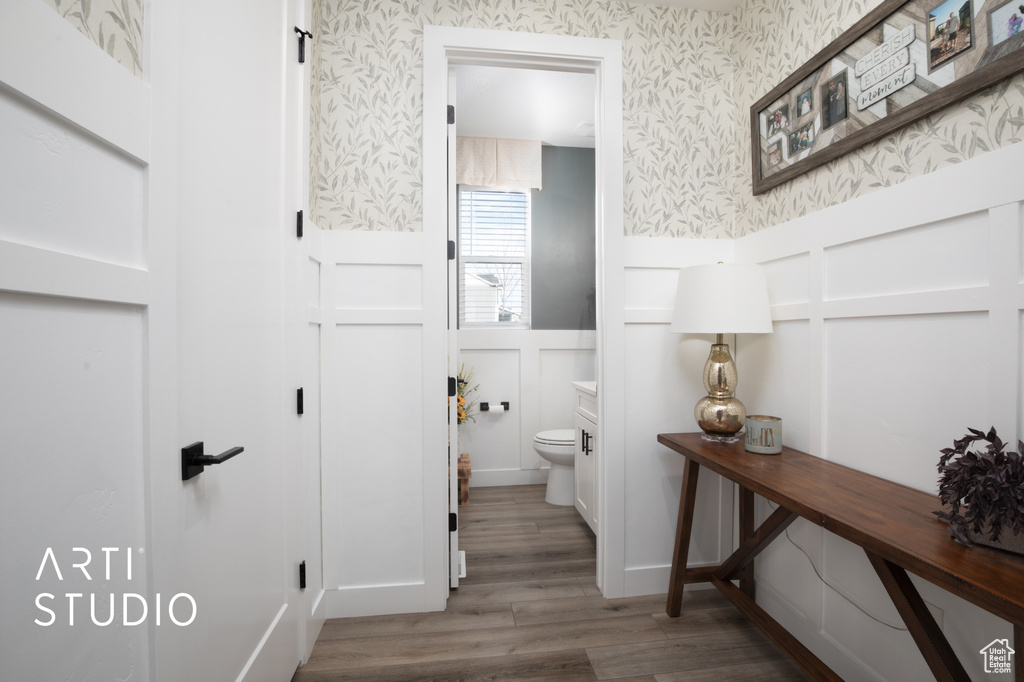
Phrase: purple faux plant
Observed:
(984, 490)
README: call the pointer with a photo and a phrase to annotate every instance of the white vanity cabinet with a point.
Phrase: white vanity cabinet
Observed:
(585, 421)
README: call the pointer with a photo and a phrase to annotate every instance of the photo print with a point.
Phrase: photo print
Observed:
(950, 32)
(1006, 21)
(801, 139)
(834, 102)
(778, 120)
(805, 102)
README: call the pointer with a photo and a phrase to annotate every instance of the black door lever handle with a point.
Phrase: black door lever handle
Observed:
(193, 460)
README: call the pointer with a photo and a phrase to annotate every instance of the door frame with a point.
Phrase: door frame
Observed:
(447, 46)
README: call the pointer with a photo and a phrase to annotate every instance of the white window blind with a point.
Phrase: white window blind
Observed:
(494, 258)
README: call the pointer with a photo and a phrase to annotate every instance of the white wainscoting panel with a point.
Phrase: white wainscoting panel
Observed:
(78, 175)
(71, 411)
(787, 280)
(948, 254)
(77, 337)
(774, 377)
(663, 383)
(898, 324)
(377, 548)
(492, 438)
(312, 283)
(891, 381)
(378, 286)
(534, 371)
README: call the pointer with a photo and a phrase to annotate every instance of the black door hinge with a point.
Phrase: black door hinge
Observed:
(298, 401)
(453, 387)
(298, 224)
(453, 522)
(451, 114)
(302, 575)
(302, 43)
(451, 250)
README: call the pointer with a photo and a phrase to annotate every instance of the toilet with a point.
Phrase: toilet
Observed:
(558, 446)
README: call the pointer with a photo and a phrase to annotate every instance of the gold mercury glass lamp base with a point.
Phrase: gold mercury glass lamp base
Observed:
(719, 414)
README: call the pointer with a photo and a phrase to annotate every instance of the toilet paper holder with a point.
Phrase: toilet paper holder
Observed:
(486, 407)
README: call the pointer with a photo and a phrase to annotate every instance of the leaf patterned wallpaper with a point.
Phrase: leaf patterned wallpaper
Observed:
(773, 38)
(114, 25)
(679, 132)
(689, 79)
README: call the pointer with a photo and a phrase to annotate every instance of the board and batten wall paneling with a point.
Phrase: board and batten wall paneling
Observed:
(77, 335)
(533, 370)
(379, 411)
(898, 324)
(663, 383)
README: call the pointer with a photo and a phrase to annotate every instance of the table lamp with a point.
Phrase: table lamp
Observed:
(727, 298)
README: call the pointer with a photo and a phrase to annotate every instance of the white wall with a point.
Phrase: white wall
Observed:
(898, 324)
(663, 383)
(532, 370)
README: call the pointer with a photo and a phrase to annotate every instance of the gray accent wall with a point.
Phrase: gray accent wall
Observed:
(563, 255)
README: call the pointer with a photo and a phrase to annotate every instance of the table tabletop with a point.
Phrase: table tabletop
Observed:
(891, 520)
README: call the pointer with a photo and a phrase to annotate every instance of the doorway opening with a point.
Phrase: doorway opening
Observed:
(445, 48)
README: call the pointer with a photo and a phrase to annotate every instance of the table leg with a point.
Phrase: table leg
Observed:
(922, 626)
(746, 530)
(682, 548)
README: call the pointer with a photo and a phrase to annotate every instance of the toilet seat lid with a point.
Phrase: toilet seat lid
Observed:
(556, 437)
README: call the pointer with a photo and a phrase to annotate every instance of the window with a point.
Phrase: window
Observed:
(494, 258)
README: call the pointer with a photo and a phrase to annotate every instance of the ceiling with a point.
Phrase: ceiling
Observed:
(554, 107)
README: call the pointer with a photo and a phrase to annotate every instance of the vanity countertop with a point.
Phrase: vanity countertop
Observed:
(586, 386)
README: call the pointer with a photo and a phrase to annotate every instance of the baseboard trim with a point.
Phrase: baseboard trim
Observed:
(375, 600)
(498, 477)
(275, 656)
(654, 580)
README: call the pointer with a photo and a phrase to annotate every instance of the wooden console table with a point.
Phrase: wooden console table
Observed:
(894, 525)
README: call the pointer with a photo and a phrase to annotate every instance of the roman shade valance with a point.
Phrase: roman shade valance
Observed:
(498, 163)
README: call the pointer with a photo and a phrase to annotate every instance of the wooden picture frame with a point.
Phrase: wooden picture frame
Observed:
(896, 65)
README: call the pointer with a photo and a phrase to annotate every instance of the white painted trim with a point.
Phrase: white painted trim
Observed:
(515, 339)
(907, 205)
(262, 646)
(921, 303)
(445, 45)
(490, 478)
(373, 600)
(655, 579)
(673, 254)
(352, 247)
(46, 59)
(29, 270)
(351, 316)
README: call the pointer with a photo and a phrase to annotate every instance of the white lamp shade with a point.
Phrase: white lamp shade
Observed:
(727, 298)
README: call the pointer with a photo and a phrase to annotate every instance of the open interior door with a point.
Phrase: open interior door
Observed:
(456, 564)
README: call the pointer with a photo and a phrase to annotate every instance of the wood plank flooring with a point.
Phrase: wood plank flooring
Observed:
(529, 610)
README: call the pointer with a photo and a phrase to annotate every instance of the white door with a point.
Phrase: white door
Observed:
(143, 308)
(455, 562)
(303, 331)
(221, 73)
